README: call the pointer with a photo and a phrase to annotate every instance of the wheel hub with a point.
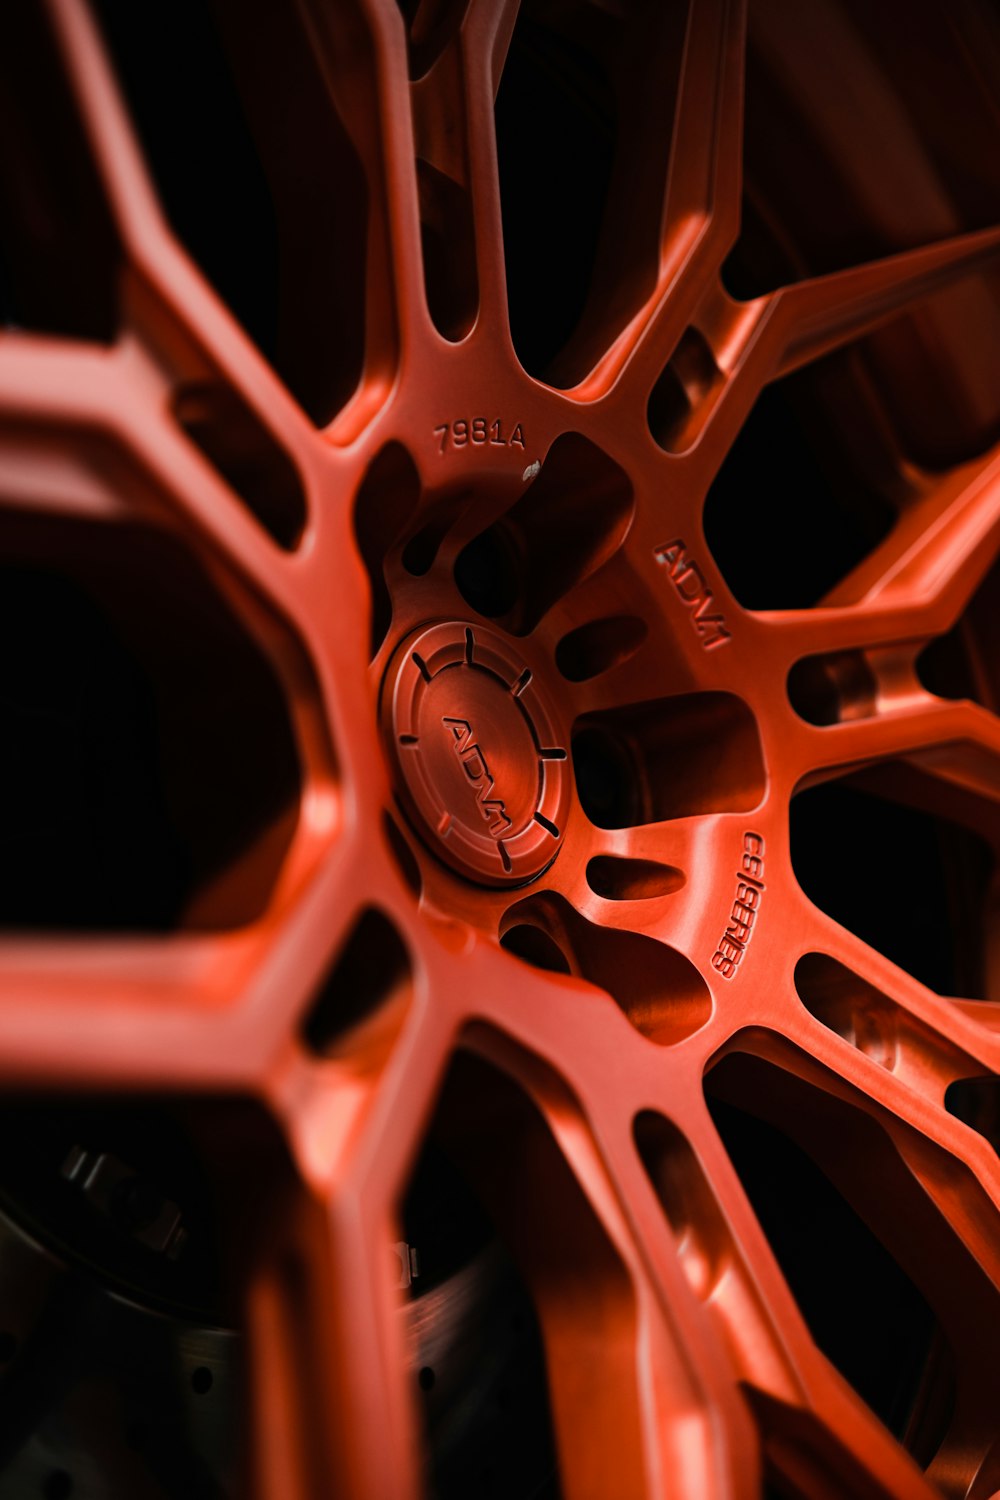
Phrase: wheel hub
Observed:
(480, 763)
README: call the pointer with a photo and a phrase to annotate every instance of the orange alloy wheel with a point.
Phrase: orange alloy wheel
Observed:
(499, 981)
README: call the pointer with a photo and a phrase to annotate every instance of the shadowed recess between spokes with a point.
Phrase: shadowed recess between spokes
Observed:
(150, 770)
(880, 1277)
(660, 991)
(501, 1225)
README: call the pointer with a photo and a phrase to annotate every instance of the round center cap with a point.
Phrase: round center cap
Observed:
(480, 764)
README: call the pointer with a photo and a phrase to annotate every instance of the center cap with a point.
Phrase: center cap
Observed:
(481, 766)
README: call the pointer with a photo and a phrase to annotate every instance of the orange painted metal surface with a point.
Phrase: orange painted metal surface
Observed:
(449, 691)
(461, 773)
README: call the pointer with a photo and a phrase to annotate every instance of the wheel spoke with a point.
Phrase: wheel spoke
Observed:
(968, 766)
(885, 1035)
(170, 302)
(755, 343)
(916, 584)
(679, 1436)
(701, 204)
(321, 1324)
(113, 399)
(944, 1017)
(952, 1181)
(105, 1014)
(873, 1463)
(60, 382)
(791, 1384)
(121, 1013)
(706, 163)
(958, 743)
(939, 549)
(362, 50)
(906, 1097)
(795, 635)
(328, 1328)
(820, 1406)
(47, 385)
(816, 317)
(838, 747)
(460, 86)
(486, 37)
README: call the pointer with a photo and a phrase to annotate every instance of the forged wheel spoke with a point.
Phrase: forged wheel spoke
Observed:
(759, 342)
(195, 487)
(100, 1015)
(876, 1462)
(798, 1392)
(706, 164)
(969, 763)
(489, 29)
(57, 380)
(314, 1304)
(901, 1042)
(899, 1094)
(947, 1019)
(199, 332)
(586, 1238)
(957, 1185)
(363, 53)
(787, 1382)
(919, 580)
(461, 85)
(956, 743)
(928, 723)
(819, 316)
(848, 628)
(324, 1305)
(938, 550)
(115, 397)
(88, 442)
(701, 203)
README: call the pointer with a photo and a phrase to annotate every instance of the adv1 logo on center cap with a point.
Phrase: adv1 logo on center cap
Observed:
(474, 765)
(477, 751)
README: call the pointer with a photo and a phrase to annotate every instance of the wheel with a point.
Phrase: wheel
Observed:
(501, 776)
